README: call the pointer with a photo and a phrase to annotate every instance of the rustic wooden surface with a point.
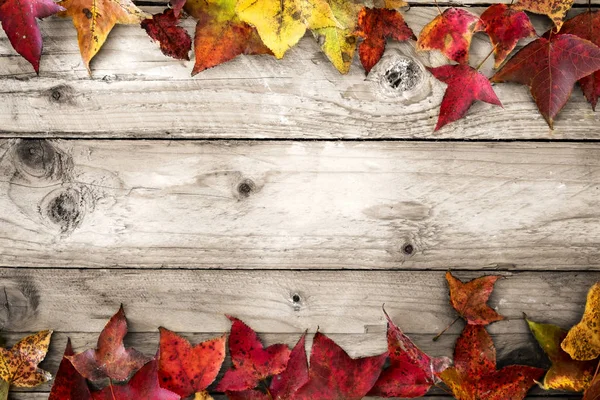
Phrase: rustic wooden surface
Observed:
(285, 194)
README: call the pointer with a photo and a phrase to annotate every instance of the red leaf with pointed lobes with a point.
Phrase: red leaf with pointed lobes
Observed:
(284, 385)
(174, 40)
(587, 26)
(375, 25)
(143, 385)
(474, 374)
(451, 33)
(465, 86)
(186, 369)
(110, 359)
(550, 67)
(18, 21)
(411, 372)
(68, 383)
(505, 25)
(470, 299)
(334, 375)
(252, 362)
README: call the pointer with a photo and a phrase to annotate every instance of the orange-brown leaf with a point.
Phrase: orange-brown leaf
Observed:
(470, 299)
(556, 10)
(19, 364)
(583, 340)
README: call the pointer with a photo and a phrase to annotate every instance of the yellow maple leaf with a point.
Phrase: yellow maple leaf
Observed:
(556, 10)
(94, 19)
(282, 23)
(583, 340)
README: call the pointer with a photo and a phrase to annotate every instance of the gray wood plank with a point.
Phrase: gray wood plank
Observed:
(302, 205)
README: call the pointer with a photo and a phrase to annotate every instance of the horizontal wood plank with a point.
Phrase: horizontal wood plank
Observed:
(303, 205)
(141, 93)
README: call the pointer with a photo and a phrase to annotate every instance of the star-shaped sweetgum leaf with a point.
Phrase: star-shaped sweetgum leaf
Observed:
(334, 375)
(143, 385)
(505, 25)
(583, 340)
(174, 40)
(18, 21)
(19, 364)
(470, 299)
(252, 363)
(375, 25)
(474, 374)
(110, 359)
(451, 33)
(186, 369)
(411, 372)
(556, 10)
(68, 383)
(285, 385)
(550, 67)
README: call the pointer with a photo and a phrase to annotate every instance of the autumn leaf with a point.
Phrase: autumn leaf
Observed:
(587, 26)
(550, 67)
(505, 25)
(282, 23)
(220, 35)
(19, 364)
(583, 340)
(252, 362)
(394, 4)
(143, 385)
(69, 384)
(110, 359)
(375, 25)
(286, 384)
(565, 373)
(470, 299)
(556, 10)
(334, 375)
(411, 372)
(474, 374)
(593, 391)
(174, 40)
(186, 369)
(466, 85)
(451, 33)
(18, 21)
(94, 19)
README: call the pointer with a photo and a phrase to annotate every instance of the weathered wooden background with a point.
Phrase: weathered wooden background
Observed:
(285, 194)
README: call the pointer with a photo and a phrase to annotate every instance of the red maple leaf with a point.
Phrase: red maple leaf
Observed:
(252, 363)
(174, 40)
(550, 67)
(186, 369)
(334, 375)
(451, 33)
(18, 21)
(68, 383)
(143, 385)
(505, 25)
(470, 299)
(110, 359)
(411, 372)
(284, 385)
(474, 374)
(587, 26)
(465, 86)
(375, 25)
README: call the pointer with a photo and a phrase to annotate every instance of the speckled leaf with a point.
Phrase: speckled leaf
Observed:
(110, 359)
(474, 374)
(375, 25)
(470, 299)
(505, 26)
(69, 384)
(583, 340)
(565, 373)
(18, 18)
(466, 85)
(451, 33)
(186, 369)
(174, 40)
(550, 67)
(411, 372)
(556, 10)
(251, 361)
(334, 375)
(19, 364)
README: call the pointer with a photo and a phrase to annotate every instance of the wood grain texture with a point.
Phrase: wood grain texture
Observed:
(141, 93)
(304, 205)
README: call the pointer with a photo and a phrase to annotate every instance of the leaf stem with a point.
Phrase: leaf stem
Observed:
(486, 58)
(112, 392)
(445, 329)
(439, 9)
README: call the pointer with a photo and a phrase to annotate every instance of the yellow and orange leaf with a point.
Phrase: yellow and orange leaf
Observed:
(583, 340)
(556, 10)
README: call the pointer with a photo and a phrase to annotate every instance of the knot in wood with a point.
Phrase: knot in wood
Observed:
(402, 77)
(18, 304)
(408, 249)
(64, 208)
(35, 157)
(246, 187)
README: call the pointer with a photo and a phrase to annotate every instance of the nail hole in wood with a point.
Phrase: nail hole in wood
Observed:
(296, 298)
(246, 187)
(408, 249)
